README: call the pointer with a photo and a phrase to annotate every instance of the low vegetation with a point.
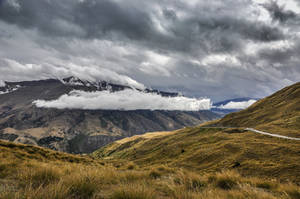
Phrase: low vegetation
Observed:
(33, 172)
(208, 150)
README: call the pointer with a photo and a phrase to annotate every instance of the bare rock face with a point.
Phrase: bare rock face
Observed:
(79, 131)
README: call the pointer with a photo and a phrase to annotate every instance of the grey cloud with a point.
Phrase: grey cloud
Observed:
(131, 20)
(127, 37)
(279, 13)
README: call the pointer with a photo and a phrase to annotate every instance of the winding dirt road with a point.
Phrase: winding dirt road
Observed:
(260, 132)
(271, 134)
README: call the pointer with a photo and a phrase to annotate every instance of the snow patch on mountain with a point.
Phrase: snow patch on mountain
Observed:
(128, 99)
(9, 89)
(75, 81)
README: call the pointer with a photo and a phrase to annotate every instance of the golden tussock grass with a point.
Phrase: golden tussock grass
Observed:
(55, 180)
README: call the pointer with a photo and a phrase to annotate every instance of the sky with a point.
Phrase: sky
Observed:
(217, 49)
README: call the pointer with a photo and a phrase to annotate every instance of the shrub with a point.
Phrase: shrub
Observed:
(191, 181)
(82, 188)
(130, 166)
(226, 183)
(40, 176)
(226, 180)
(133, 192)
(266, 185)
(154, 174)
(83, 183)
(294, 194)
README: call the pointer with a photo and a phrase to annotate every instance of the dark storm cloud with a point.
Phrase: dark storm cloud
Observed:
(279, 12)
(218, 49)
(103, 17)
(126, 20)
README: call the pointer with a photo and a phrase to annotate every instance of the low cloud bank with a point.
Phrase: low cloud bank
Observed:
(2, 83)
(124, 100)
(237, 105)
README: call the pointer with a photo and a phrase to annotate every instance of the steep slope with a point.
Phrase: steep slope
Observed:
(79, 131)
(208, 148)
(278, 113)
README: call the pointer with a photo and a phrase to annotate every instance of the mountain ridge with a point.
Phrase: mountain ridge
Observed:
(71, 129)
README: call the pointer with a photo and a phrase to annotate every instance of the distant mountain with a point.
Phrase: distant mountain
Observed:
(223, 108)
(86, 85)
(75, 130)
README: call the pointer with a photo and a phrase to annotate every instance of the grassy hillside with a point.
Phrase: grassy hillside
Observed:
(209, 150)
(278, 113)
(31, 172)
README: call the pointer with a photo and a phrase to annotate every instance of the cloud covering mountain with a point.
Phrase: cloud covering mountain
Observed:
(220, 49)
(2, 83)
(124, 100)
(237, 105)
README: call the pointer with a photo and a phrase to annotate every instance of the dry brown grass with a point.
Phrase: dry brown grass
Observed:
(54, 180)
(35, 177)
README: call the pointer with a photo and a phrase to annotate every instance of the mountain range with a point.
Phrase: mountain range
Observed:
(76, 130)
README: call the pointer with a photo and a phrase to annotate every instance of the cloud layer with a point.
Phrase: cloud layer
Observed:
(123, 100)
(221, 49)
(237, 105)
(2, 83)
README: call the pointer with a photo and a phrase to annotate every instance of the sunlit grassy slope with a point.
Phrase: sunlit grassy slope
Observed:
(209, 150)
(214, 149)
(28, 172)
(278, 113)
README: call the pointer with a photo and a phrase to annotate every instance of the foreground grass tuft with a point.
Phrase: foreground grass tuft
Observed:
(60, 178)
(133, 192)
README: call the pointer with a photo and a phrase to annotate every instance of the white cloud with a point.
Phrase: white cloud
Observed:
(237, 105)
(156, 64)
(218, 59)
(2, 83)
(124, 100)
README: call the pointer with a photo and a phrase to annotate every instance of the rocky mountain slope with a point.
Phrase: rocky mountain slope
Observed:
(79, 131)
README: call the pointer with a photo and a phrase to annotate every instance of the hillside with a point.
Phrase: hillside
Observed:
(278, 113)
(33, 172)
(77, 130)
(206, 149)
